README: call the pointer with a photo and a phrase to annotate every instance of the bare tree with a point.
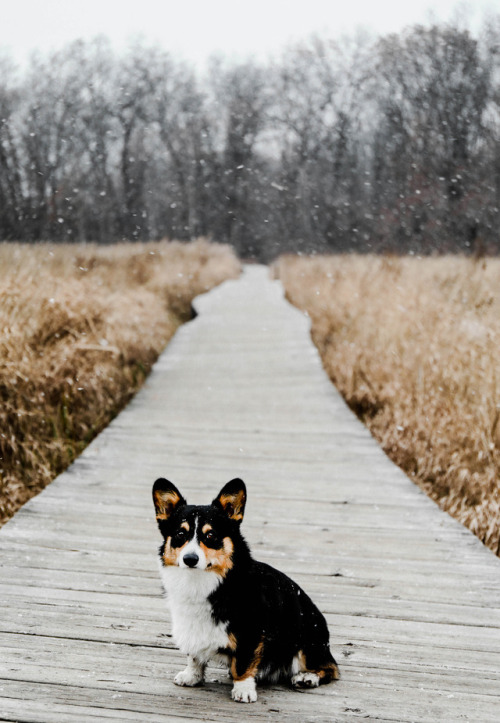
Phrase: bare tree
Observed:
(432, 107)
(352, 144)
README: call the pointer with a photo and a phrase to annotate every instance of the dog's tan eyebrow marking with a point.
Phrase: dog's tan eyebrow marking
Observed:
(206, 528)
(185, 526)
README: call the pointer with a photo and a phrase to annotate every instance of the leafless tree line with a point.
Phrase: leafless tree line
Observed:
(360, 144)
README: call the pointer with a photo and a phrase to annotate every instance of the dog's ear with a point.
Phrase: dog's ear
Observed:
(232, 499)
(167, 499)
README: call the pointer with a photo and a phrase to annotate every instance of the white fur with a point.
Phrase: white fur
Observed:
(192, 675)
(194, 629)
(193, 546)
(305, 680)
(275, 675)
(244, 691)
(296, 666)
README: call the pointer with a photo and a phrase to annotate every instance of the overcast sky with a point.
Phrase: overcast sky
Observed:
(194, 29)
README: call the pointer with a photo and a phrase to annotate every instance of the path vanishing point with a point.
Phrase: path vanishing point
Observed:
(411, 597)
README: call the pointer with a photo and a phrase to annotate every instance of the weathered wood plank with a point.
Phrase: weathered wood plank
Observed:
(90, 665)
(411, 597)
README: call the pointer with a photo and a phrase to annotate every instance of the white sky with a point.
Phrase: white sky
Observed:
(194, 29)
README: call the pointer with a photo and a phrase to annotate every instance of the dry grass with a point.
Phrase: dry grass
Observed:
(413, 346)
(81, 326)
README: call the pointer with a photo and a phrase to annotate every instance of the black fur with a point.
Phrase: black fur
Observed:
(262, 603)
(270, 620)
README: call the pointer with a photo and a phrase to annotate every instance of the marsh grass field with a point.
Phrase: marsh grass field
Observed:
(80, 327)
(411, 343)
(413, 346)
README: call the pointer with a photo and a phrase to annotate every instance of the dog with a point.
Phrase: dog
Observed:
(227, 607)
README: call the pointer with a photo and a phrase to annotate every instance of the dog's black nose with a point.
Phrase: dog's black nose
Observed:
(191, 559)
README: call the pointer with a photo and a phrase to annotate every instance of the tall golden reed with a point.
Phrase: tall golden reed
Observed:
(80, 327)
(414, 347)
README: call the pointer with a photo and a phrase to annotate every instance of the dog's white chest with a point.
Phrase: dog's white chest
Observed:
(194, 630)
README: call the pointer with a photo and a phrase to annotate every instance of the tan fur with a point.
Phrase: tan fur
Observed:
(328, 673)
(252, 669)
(171, 555)
(219, 561)
(165, 503)
(233, 505)
(325, 674)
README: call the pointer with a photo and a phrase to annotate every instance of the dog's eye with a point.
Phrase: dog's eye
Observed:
(211, 539)
(179, 538)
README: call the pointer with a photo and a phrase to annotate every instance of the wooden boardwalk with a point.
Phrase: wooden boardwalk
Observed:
(411, 597)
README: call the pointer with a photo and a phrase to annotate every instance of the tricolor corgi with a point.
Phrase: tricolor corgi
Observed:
(227, 607)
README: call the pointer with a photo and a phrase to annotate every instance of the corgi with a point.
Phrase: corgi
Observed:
(228, 608)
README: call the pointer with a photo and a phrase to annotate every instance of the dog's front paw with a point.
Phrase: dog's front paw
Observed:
(305, 680)
(188, 677)
(244, 691)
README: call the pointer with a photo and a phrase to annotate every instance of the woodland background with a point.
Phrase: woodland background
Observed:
(355, 144)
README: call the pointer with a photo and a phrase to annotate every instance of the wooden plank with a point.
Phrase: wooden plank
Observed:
(22, 577)
(366, 601)
(411, 597)
(90, 663)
